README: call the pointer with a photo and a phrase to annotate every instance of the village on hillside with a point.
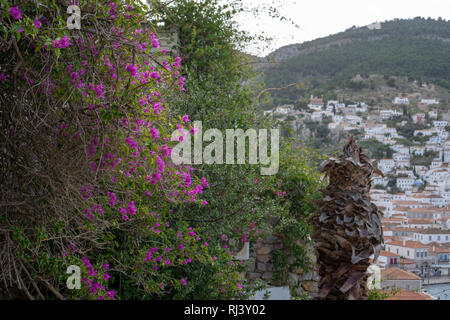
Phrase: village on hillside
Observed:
(414, 194)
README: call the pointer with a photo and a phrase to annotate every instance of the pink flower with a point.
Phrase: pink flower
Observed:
(37, 23)
(155, 43)
(155, 133)
(3, 77)
(64, 42)
(155, 75)
(183, 282)
(185, 118)
(15, 13)
(131, 68)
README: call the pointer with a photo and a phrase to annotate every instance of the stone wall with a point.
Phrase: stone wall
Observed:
(261, 267)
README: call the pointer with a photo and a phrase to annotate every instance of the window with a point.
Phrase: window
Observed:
(446, 238)
(439, 238)
(397, 251)
(417, 254)
(426, 253)
(407, 253)
(429, 238)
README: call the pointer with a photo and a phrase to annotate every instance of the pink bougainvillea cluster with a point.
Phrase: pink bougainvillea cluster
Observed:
(107, 89)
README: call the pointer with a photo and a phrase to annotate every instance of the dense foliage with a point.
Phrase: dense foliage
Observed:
(242, 204)
(87, 180)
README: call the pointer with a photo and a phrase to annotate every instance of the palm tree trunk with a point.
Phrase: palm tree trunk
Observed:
(347, 226)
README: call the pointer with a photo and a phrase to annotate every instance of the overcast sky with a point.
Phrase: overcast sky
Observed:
(320, 18)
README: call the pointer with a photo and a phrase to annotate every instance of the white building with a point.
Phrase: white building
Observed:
(405, 183)
(418, 118)
(429, 101)
(440, 124)
(427, 236)
(399, 100)
(386, 165)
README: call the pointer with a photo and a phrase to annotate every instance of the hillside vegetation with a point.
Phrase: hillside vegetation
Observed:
(417, 48)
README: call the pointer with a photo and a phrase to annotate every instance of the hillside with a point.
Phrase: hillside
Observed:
(417, 48)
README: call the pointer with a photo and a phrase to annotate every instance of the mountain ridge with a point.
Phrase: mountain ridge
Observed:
(418, 48)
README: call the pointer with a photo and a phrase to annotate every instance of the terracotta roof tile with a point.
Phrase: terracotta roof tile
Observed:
(388, 254)
(408, 244)
(408, 295)
(398, 274)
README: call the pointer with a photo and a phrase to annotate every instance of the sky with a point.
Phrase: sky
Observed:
(320, 18)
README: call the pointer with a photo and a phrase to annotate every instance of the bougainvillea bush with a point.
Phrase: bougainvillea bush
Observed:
(85, 148)
(87, 180)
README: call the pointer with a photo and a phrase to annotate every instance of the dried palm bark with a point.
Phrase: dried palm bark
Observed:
(347, 226)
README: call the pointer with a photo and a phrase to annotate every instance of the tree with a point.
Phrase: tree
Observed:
(347, 226)
(220, 91)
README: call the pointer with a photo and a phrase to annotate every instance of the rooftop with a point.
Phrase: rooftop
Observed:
(433, 231)
(398, 274)
(408, 295)
(408, 244)
(388, 254)
(421, 221)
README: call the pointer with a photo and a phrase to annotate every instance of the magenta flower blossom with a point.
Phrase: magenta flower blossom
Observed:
(131, 209)
(112, 198)
(155, 133)
(155, 43)
(204, 182)
(3, 77)
(37, 23)
(183, 282)
(131, 68)
(15, 13)
(185, 118)
(155, 75)
(64, 42)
